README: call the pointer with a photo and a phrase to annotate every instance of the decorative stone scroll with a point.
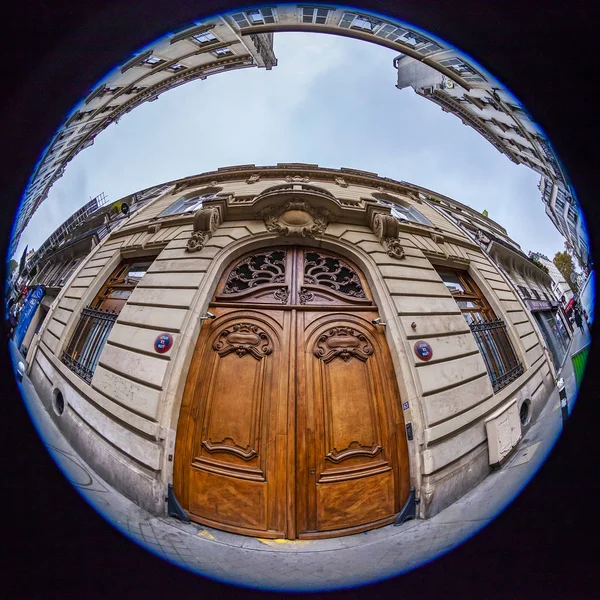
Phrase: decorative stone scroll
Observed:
(341, 182)
(206, 222)
(387, 228)
(342, 342)
(255, 177)
(243, 339)
(296, 218)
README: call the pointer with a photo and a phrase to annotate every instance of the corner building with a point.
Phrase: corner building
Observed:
(295, 349)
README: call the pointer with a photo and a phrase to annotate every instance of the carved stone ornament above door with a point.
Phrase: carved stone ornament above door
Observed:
(206, 222)
(296, 218)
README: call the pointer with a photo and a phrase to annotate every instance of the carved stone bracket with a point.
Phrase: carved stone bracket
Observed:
(296, 218)
(297, 178)
(354, 449)
(387, 229)
(244, 338)
(342, 342)
(206, 222)
(154, 227)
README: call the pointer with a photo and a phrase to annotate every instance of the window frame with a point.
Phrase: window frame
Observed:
(401, 211)
(496, 348)
(199, 198)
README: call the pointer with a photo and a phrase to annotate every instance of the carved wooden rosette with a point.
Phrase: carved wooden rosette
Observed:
(342, 342)
(206, 222)
(244, 338)
(386, 228)
(296, 218)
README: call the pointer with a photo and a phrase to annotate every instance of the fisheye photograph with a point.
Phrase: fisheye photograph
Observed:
(299, 298)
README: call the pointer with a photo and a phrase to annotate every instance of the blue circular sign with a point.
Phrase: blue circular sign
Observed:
(163, 342)
(423, 350)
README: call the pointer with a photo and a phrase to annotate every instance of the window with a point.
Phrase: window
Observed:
(135, 90)
(405, 213)
(152, 61)
(524, 292)
(315, 15)
(361, 22)
(221, 52)
(256, 16)
(460, 67)
(206, 37)
(176, 67)
(97, 319)
(489, 332)
(535, 294)
(186, 204)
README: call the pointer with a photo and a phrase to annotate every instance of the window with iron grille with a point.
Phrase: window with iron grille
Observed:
(97, 319)
(489, 332)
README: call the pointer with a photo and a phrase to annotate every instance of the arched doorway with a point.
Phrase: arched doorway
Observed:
(291, 422)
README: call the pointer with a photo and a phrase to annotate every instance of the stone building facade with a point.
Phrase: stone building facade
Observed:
(534, 286)
(300, 337)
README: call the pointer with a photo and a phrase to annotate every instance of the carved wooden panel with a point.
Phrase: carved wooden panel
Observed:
(234, 404)
(347, 415)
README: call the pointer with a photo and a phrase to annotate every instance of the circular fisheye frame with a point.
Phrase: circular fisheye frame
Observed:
(279, 360)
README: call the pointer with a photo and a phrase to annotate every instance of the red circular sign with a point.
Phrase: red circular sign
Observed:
(423, 350)
(163, 342)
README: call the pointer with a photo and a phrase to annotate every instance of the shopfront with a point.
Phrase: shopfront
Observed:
(553, 329)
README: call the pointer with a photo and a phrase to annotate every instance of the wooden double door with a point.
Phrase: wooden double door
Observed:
(291, 423)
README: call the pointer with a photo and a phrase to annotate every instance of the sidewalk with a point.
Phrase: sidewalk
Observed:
(307, 565)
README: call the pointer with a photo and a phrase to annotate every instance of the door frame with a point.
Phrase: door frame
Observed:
(398, 344)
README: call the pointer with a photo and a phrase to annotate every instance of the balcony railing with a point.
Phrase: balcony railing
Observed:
(84, 349)
(500, 359)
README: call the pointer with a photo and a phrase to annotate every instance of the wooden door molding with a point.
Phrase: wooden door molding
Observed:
(239, 464)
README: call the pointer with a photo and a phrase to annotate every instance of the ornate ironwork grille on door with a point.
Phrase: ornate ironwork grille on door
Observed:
(490, 333)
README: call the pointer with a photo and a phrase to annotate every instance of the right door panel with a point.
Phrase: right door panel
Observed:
(350, 475)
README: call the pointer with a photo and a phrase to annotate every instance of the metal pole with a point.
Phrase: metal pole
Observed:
(562, 394)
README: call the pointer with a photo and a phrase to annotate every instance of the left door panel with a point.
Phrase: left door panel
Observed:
(233, 424)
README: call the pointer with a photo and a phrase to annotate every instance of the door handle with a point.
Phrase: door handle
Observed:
(377, 321)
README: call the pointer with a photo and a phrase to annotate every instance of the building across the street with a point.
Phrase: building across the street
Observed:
(485, 105)
(301, 352)
(193, 53)
(560, 288)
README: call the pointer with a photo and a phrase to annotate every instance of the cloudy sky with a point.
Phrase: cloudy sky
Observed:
(330, 101)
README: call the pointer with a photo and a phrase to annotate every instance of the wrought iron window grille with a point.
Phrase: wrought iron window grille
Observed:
(497, 352)
(84, 349)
